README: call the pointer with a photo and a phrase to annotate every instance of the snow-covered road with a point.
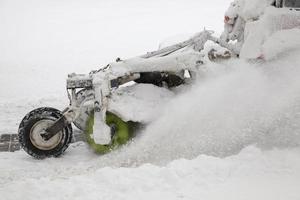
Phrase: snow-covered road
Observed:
(233, 135)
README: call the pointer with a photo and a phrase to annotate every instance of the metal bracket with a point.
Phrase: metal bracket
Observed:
(55, 128)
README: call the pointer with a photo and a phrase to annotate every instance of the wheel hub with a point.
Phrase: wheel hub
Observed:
(36, 135)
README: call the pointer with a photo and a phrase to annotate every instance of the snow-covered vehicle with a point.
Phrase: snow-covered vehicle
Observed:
(110, 103)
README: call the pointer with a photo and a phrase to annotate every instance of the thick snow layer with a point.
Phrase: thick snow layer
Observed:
(252, 174)
(140, 102)
(270, 35)
(233, 135)
(252, 9)
(281, 42)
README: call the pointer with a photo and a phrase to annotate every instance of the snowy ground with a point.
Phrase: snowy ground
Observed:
(252, 174)
(234, 135)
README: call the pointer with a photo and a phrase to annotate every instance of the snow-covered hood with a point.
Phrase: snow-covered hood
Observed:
(266, 32)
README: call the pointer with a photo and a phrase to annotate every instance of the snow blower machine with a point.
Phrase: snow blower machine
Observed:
(109, 104)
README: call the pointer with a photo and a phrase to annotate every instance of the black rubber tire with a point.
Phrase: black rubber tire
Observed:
(25, 128)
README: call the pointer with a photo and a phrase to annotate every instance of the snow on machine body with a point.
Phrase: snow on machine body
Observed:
(108, 104)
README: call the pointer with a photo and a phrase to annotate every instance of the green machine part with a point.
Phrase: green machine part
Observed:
(124, 131)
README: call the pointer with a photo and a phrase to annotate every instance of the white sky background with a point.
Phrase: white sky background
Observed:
(41, 41)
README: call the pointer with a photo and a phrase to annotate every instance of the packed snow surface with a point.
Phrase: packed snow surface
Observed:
(234, 134)
(252, 174)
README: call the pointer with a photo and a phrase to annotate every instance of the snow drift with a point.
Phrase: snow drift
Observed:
(237, 104)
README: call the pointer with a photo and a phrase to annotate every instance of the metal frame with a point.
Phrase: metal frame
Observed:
(101, 82)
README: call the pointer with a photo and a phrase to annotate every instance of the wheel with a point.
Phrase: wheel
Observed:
(121, 132)
(34, 124)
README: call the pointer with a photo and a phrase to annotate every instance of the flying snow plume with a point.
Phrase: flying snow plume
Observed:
(236, 105)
